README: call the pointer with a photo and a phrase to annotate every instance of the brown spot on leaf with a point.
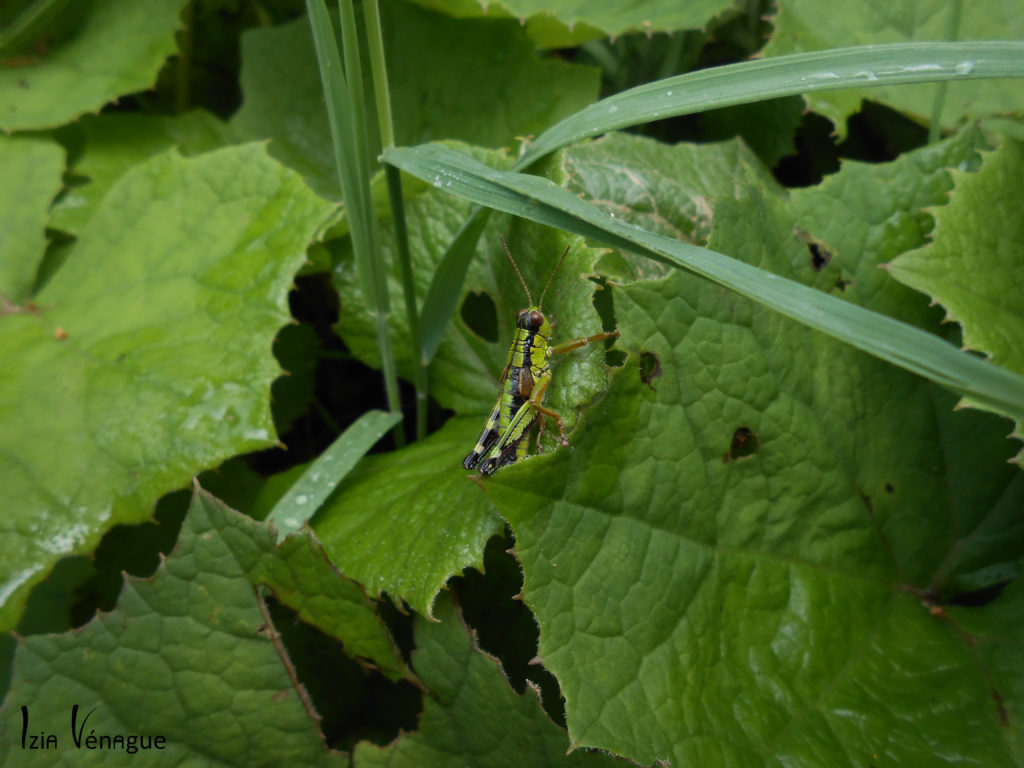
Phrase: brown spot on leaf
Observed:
(1004, 716)
(867, 501)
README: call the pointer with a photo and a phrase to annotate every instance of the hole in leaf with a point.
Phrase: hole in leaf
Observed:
(979, 597)
(650, 368)
(615, 358)
(481, 315)
(820, 257)
(880, 134)
(744, 443)
(504, 625)
(604, 303)
(820, 254)
(354, 702)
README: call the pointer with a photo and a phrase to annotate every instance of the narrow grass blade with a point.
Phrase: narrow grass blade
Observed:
(446, 285)
(28, 25)
(379, 72)
(953, 13)
(420, 372)
(986, 384)
(356, 118)
(339, 104)
(311, 490)
(375, 258)
(382, 96)
(761, 79)
(346, 115)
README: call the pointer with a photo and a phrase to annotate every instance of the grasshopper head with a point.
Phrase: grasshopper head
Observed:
(532, 319)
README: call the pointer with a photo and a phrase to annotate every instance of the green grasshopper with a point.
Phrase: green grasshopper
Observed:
(523, 383)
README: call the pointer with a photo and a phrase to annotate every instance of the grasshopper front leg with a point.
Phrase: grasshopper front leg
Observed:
(581, 341)
(569, 346)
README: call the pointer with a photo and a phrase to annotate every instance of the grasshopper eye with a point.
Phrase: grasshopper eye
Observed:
(522, 312)
(536, 319)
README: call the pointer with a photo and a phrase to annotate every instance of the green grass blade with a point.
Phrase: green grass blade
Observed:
(310, 491)
(761, 79)
(379, 72)
(339, 104)
(365, 211)
(382, 96)
(446, 285)
(420, 371)
(538, 199)
(953, 13)
(348, 135)
(356, 117)
(29, 24)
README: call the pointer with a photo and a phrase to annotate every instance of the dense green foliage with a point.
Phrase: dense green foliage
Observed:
(789, 527)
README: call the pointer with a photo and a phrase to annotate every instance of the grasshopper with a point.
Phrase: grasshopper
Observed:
(523, 383)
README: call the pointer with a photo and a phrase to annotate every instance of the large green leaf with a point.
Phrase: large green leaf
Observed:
(472, 710)
(565, 23)
(476, 81)
(190, 655)
(148, 357)
(895, 203)
(117, 48)
(117, 141)
(756, 528)
(974, 266)
(32, 171)
(808, 25)
(403, 523)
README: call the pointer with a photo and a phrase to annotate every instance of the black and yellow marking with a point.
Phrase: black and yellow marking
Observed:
(523, 383)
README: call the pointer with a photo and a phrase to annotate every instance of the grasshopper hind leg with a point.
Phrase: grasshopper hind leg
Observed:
(484, 443)
(512, 453)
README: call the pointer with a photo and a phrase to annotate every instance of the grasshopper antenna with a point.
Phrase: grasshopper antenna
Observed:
(516, 268)
(553, 273)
